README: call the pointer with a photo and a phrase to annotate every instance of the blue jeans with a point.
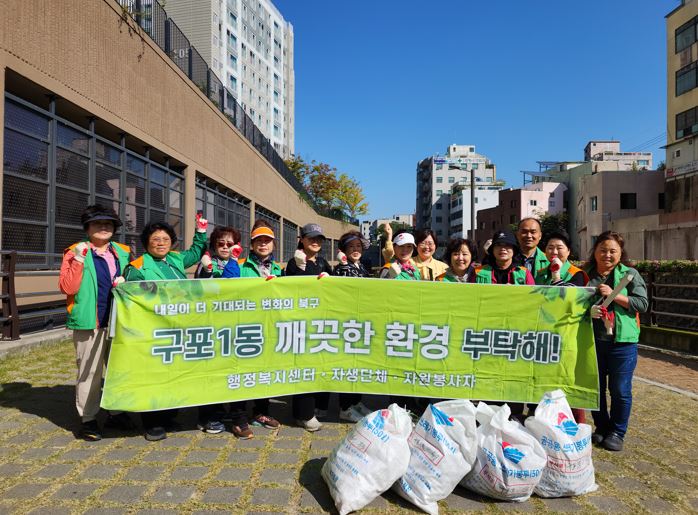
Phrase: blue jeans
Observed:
(617, 363)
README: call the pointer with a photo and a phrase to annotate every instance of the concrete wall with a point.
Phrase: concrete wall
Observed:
(647, 238)
(88, 54)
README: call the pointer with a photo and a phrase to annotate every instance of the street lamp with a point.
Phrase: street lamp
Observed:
(472, 197)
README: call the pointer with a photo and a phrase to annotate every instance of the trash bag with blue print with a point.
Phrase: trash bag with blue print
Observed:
(442, 446)
(370, 459)
(570, 470)
(510, 461)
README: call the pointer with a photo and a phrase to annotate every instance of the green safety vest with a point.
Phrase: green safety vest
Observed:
(568, 270)
(249, 268)
(82, 307)
(483, 275)
(627, 322)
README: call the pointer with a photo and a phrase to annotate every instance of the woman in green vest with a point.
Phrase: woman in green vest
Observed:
(160, 262)
(402, 267)
(616, 353)
(560, 272)
(89, 271)
(502, 269)
(459, 255)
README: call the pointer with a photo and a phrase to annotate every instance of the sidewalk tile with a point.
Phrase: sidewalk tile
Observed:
(124, 493)
(656, 505)
(288, 444)
(243, 457)
(186, 473)
(222, 495)
(234, 474)
(279, 475)
(144, 473)
(25, 491)
(202, 456)
(628, 483)
(563, 505)
(158, 456)
(56, 470)
(608, 504)
(51, 510)
(120, 455)
(12, 469)
(99, 472)
(174, 494)
(283, 458)
(275, 496)
(75, 491)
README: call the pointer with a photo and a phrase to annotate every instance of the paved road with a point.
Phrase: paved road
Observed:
(44, 469)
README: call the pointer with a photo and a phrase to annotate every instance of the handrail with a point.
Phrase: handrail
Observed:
(10, 313)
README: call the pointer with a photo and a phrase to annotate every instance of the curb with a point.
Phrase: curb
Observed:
(32, 341)
(688, 394)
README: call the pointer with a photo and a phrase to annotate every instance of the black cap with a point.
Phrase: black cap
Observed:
(97, 213)
(503, 238)
(311, 231)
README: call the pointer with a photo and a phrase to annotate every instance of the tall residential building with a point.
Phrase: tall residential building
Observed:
(436, 177)
(249, 45)
(682, 110)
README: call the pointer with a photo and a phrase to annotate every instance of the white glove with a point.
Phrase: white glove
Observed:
(555, 267)
(342, 257)
(118, 281)
(300, 259)
(80, 251)
(323, 274)
(486, 245)
(206, 261)
(395, 270)
(596, 311)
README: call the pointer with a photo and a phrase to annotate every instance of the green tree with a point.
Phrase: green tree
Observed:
(554, 223)
(350, 197)
(327, 188)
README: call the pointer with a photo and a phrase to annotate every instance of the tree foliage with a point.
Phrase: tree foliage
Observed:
(328, 188)
(554, 223)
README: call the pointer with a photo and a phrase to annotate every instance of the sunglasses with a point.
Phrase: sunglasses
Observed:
(223, 243)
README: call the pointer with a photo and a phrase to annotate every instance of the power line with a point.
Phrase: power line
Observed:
(649, 143)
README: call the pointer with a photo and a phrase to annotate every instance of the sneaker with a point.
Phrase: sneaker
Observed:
(265, 421)
(212, 427)
(597, 438)
(351, 414)
(361, 408)
(90, 431)
(120, 421)
(311, 425)
(320, 413)
(613, 442)
(153, 434)
(243, 432)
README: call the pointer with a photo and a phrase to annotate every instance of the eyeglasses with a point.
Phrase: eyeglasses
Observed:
(425, 244)
(160, 240)
(223, 243)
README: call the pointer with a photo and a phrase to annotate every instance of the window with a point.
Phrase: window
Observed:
(439, 193)
(686, 79)
(551, 203)
(532, 202)
(677, 152)
(512, 203)
(475, 166)
(43, 198)
(439, 207)
(451, 180)
(512, 219)
(643, 162)
(439, 180)
(439, 166)
(686, 123)
(660, 200)
(439, 219)
(233, 61)
(594, 203)
(628, 201)
(685, 35)
(233, 83)
(222, 206)
(477, 200)
(472, 149)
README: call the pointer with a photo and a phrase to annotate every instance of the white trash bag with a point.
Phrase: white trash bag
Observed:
(510, 461)
(570, 470)
(370, 459)
(442, 446)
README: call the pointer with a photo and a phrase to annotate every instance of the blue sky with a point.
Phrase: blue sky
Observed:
(383, 84)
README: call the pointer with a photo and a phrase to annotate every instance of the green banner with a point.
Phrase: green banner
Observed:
(195, 342)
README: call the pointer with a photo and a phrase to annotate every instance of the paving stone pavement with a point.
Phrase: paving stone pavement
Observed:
(45, 469)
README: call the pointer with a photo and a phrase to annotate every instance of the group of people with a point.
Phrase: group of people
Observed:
(91, 268)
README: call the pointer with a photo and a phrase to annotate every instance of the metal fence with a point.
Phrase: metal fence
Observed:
(673, 300)
(153, 19)
(223, 207)
(290, 240)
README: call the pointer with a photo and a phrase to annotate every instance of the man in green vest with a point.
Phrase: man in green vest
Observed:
(529, 233)
(89, 271)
